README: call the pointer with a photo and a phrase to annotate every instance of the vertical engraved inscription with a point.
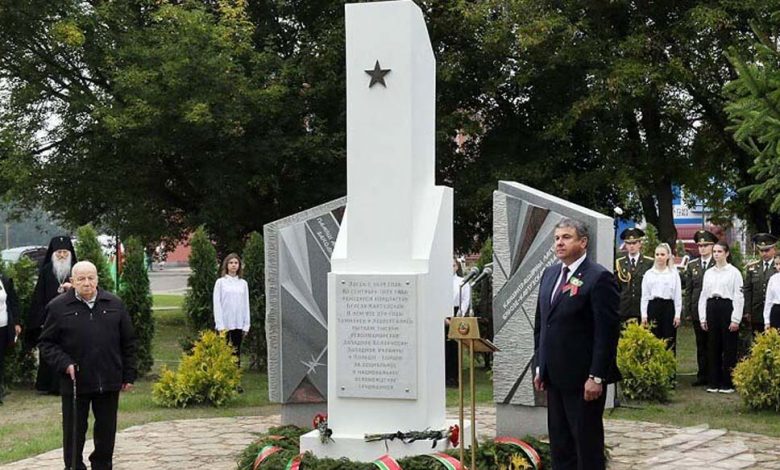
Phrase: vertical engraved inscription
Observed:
(377, 336)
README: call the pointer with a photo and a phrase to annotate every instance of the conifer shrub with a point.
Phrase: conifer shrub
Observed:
(88, 249)
(757, 377)
(20, 362)
(198, 303)
(255, 343)
(208, 375)
(648, 368)
(136, 295)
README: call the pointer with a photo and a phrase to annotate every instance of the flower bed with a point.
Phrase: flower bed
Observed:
(278, 448)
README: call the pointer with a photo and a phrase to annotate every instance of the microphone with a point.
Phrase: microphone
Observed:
(471, 275)
(486, 273)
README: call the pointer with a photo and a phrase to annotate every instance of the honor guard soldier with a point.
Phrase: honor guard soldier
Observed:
(630, 270)
(757, 276)
(692, 282)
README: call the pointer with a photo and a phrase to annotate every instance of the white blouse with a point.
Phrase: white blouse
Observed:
(725, 282)
(772, 296)
(661, 285)
(4, 309)
(464, 297)
(231, 304)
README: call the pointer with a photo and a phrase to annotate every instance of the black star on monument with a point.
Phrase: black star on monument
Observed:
(377, 75)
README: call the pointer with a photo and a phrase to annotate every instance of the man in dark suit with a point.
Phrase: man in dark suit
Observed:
(576, 332)
(692, 282)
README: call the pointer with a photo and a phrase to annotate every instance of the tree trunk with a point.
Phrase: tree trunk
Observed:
(667, 232)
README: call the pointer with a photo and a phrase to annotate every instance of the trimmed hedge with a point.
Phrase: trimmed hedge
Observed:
(757, 377)
(490, 456)
(648, 368)
(209, 375)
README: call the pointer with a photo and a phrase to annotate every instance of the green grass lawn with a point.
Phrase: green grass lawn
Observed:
(690, 405)
(31, 423)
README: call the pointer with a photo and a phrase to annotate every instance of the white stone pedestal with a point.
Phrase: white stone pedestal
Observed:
(362, 451)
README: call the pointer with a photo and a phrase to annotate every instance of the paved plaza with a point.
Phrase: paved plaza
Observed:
(216, 443)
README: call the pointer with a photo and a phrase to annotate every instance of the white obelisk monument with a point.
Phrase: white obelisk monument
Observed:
(391, 282)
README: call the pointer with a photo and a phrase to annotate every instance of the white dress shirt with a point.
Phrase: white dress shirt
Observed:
(772, 296)
(663, 284)
(231, 304)
(725, 282)
(4, 309)
(572, 269)
(464, 295)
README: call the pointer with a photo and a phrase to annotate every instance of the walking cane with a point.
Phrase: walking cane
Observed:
(74, 437)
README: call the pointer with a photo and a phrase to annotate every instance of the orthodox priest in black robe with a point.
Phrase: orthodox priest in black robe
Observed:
(53, 280)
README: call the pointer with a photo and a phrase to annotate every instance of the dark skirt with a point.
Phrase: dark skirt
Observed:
(774, 316)
(660, 316)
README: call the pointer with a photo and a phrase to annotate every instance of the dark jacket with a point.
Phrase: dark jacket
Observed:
(100, 341)
(46, 288)
(692, 283)
(630, 284)
(577, 335)
(12, 307)
(754, 289)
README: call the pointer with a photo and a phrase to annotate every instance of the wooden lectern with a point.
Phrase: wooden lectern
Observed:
(465, 331)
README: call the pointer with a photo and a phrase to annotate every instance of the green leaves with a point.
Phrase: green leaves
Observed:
(648, 368)
(757, 377)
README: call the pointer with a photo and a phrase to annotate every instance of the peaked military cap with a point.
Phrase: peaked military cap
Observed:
(705, 237)
(632, 234)
(764, 240)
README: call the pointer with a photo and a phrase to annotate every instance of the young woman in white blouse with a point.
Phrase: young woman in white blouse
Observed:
(721, 297)
(231, 303)
(772, 302)
(661, 302)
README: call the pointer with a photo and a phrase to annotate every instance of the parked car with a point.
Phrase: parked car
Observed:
(34, 252)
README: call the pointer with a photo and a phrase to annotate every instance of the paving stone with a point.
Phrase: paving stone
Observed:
(216, 443)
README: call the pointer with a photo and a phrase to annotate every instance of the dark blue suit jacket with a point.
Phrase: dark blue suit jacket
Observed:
(577, 335)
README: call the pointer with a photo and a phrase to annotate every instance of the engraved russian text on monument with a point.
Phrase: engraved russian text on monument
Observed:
(377, 336)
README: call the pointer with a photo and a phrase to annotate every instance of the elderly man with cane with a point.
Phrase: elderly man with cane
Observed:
(88, 339)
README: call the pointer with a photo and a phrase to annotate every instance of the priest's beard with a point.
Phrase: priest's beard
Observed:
(61, 268)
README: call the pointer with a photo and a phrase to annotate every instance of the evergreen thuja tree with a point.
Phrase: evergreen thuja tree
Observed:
(19, 360)
(135, 293)
(88, 249)
(254, 256)
(198, 302)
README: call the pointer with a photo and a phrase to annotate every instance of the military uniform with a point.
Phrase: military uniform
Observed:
(630, 284)
(693, 277)
(757, 276)
(629, 276)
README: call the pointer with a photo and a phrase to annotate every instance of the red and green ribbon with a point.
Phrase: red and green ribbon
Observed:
(386, 462)
(449, 462)
(525, 447)
(294, 463)
(264, 453)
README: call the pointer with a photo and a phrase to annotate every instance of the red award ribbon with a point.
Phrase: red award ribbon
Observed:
(264, 453)
(294, 463)
(450, 463)
(525, 447)
(386, 462)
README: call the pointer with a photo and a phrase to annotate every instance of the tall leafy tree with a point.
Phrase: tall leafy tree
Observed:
(137, 297)
(88, 249)
(161, 116)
